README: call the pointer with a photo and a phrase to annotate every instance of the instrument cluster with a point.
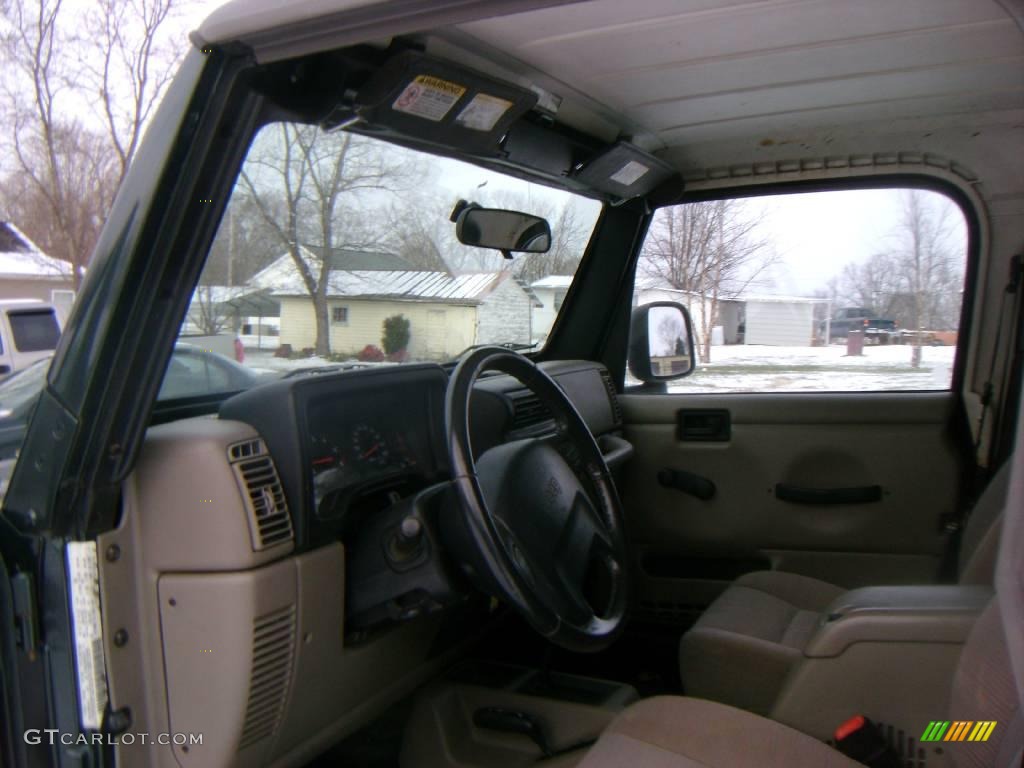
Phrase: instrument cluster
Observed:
(354, 445)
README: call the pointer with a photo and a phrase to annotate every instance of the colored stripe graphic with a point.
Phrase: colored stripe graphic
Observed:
(935, 730)
(958, 730)
(982, 730)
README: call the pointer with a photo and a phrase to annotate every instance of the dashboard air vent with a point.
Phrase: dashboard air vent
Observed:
(613, 397)
(246, 450)
(273, 653)
(269, 519)
(528, 411)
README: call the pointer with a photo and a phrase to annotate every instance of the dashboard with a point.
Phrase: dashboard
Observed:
(348, 443)
(271, 535)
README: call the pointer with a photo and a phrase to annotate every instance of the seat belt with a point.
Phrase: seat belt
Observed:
(998, 445)
(1009, 376)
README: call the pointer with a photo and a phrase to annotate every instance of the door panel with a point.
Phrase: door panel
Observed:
(690, 548)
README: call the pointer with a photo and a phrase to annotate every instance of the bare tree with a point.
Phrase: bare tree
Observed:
(917, 279)
(310, 187)
(420, 232)
(128, 66)
(709, 249)
(207, 310)
(63, 172)
(569, 235)
(926, 260)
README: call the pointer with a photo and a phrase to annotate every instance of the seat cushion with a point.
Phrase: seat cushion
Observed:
(743, 646)
(676, 732)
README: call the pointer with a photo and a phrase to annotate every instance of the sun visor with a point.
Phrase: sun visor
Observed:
(625, 171)
(437, 101)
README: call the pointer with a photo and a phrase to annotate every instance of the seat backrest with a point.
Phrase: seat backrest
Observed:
(984, 688)
(980, 542)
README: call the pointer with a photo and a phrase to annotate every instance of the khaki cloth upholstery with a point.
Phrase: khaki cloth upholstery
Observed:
(742, 647)
(984, 689)
(675, 732)
(980, 543)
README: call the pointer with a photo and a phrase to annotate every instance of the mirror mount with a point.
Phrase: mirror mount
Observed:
(661, 343)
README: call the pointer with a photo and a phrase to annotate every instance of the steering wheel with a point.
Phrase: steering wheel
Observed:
(539, 522)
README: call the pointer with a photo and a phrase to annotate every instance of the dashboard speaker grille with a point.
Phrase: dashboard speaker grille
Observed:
(270, 521)
(273, 653)
(613, 397)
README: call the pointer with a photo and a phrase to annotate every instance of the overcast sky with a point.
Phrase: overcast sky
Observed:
(815, 235)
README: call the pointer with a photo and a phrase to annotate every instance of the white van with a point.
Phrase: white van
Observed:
(29, 331)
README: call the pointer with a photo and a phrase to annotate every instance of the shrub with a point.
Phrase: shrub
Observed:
(371, 353)
(285, 350)
(396, 334)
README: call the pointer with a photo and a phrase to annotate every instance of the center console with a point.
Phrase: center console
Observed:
(888, 653)
(487, 714)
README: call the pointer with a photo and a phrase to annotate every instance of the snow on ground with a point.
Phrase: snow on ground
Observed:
(742, 368)
(264, 361)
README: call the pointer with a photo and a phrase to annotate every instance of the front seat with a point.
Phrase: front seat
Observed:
(677, 732)
(743, 646)
(988, 684)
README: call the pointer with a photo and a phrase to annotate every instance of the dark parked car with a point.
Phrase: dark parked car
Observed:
(191, 372)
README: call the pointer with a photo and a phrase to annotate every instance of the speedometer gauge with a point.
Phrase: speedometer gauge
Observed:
(368, 446)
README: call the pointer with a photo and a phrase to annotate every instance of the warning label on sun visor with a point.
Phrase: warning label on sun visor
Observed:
(428, 97)
(483, 112)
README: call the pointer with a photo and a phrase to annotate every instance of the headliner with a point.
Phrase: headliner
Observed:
(701, 82)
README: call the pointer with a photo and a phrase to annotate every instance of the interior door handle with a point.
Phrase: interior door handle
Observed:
(794, 494)
(688, 482)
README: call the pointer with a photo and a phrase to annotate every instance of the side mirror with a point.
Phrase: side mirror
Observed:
(661, 344)
(505, 231)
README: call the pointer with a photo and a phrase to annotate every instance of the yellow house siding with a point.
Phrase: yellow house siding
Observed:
(298, 323)
(437, 330)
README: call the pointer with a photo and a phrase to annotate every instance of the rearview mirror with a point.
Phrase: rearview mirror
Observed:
(661, 344)
(505, 231)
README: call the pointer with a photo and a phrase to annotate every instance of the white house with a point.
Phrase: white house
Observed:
(447, 313)
(28, 273)
(550, 292)
(785, 321)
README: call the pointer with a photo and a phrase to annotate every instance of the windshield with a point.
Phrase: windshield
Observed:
(338, 249)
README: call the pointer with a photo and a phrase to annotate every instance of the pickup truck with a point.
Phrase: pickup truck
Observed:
(877, 330)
